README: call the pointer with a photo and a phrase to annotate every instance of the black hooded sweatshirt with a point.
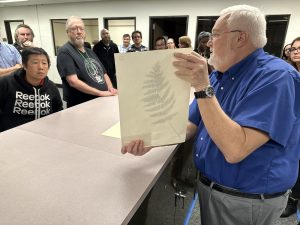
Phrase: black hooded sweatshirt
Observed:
(20, 102)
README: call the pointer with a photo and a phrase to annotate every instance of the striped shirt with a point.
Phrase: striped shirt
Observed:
(123, 49)
(9, 55)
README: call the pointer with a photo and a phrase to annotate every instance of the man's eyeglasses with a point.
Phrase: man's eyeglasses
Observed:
(215, 35)
(134, 37)
(76, 29)
(293, 50)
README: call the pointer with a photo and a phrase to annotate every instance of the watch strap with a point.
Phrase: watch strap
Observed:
(207, 92)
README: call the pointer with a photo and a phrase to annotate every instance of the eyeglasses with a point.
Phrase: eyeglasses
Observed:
(134, 37)
(76, 29)
(293, 50)
(215, 35)
(287, 50)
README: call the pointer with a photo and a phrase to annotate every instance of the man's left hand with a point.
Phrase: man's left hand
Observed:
(193, 69)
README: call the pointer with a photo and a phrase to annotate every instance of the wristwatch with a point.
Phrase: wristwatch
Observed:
(207, 92)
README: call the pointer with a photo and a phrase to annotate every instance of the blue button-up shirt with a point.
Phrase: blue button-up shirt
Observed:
(9, 55)
(261, 92)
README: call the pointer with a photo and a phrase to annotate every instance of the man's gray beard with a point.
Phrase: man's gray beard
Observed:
(78, 43)
(218, 62)
(213, 61)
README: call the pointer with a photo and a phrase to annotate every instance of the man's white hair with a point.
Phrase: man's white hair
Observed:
(72, 19)
(247, 18)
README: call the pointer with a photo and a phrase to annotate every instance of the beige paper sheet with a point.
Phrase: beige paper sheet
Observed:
(153, 101)
(113, 131)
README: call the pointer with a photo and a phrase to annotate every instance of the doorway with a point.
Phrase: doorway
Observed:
(10, 27)
(204, 23)
(168, 27)
(277, 26)
(118, 26)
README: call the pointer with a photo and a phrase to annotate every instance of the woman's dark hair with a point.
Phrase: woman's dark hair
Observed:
(296, 39)
(33, 51)
(283, 55)
(293, 63)
(161, 38)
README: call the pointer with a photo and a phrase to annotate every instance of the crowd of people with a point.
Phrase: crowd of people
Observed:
(245, 121)
(87, 71)
(245, 118)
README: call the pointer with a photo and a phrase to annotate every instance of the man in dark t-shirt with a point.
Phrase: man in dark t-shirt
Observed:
(83, 76)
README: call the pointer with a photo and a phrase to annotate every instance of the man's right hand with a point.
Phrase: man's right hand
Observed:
(135, 148)
(18, 66)
(106, 93)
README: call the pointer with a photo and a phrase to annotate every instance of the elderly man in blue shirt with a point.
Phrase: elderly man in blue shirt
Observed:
(245, 120)
(10, 59)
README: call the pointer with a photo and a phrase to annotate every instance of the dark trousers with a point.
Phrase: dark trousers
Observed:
(296, 189)
(140, 216)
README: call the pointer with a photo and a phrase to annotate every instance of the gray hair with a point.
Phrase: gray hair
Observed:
(22, 26)
(71, 19)
(247, 18)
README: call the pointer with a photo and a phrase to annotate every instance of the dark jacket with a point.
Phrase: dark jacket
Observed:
(18, 47)
(106, 56)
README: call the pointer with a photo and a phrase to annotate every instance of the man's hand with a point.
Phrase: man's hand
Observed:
(106, 93)
(113, 91)
(193, 69)
(18, 66)
(28, 44)
(135, 148)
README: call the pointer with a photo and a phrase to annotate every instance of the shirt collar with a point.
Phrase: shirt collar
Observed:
(240, 66)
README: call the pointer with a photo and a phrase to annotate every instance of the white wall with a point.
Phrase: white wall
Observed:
(38, 17)
(119, 27)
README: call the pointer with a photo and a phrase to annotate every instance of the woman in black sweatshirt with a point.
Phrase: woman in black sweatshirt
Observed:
(28, 94)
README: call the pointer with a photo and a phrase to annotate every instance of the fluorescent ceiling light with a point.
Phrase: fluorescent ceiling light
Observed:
(6, 1)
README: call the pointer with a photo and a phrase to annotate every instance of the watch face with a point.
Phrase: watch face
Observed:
(209, 91)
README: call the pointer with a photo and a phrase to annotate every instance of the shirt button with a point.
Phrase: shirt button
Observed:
(201, 138)
(196, 155)
(222, 88)
(232, 78)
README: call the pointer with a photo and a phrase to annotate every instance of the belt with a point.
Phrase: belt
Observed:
(234, 192)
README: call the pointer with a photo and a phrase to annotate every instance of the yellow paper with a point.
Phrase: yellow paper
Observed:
(114, 131)
(153, 101)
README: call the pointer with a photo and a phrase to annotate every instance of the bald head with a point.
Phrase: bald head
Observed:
(105, 36)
